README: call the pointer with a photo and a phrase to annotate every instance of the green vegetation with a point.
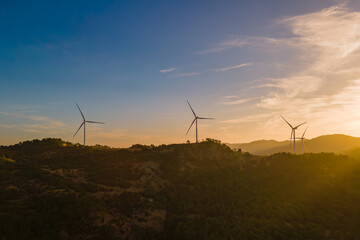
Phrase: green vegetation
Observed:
(57, 190)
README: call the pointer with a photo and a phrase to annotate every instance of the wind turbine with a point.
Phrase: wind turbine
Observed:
(292, 132)
(84, 123)
(302, 141)
(195, 120)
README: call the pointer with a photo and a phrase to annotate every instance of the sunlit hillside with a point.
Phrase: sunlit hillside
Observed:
(57, 190)
(336, 143)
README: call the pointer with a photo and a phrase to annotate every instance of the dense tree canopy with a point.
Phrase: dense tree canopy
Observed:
(52, 189)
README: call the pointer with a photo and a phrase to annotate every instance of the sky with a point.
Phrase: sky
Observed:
(133, 65)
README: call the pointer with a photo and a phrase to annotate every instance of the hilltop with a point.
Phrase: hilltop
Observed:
(336, 143)
(57, 190)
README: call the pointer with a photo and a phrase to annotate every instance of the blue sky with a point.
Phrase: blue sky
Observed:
(133, 64)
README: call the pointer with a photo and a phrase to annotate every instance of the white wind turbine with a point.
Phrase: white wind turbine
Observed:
(303, 146)
(195, 120)
(84, 123)
(293, 132)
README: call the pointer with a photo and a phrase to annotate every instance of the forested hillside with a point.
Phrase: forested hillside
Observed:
(52, 189)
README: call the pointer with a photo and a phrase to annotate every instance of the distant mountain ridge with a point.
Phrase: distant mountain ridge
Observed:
(337, 143)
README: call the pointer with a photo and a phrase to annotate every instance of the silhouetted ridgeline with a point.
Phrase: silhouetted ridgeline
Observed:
(336, 143)
(52, 189)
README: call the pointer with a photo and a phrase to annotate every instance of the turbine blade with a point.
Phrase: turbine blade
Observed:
(287, 122)
(191, 108)
(305, 131)
(95, 122)
(190, 126)
(291, 137)
(305, 146)
(79, 129)
(205, 118)
(80, 111)
(300, 125)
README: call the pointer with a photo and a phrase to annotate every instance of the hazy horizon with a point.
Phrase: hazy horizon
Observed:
(133, 66)
(298, 142)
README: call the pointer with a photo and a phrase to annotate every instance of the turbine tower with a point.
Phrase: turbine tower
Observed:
(303, 146)
(195, 120)
(292, 132)
(84, 123)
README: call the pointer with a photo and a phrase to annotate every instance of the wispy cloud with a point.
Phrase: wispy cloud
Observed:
(25, 108)
(167, 70)
(225, 45)
(236, 101)
(295, 85)
(31, 130)
(43, 122)
(8, 125)
(325, 86)
(187, 74)
(49, 120)
(330, 40)
(249, 118)
(233, 67)
(258, 42)
(229, 97)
